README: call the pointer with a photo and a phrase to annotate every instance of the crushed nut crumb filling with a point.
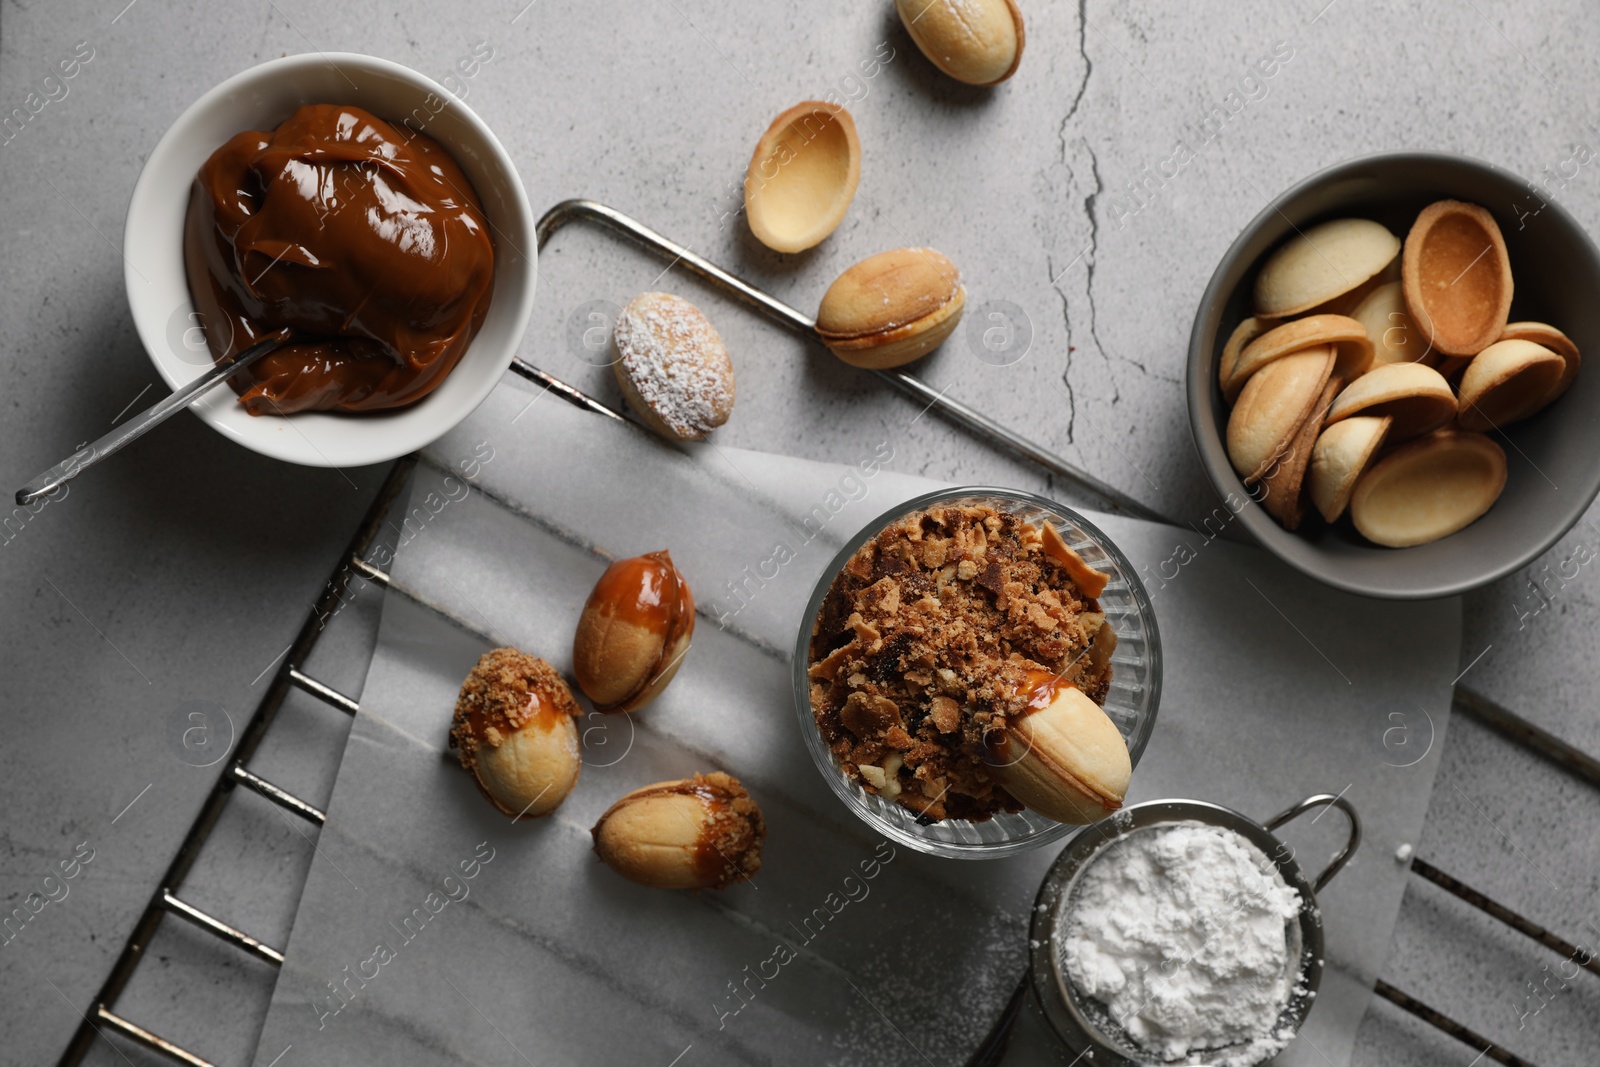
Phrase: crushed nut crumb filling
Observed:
(924, 645)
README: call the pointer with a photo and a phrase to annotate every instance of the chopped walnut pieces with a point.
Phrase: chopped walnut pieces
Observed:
(829, 667)
(869, 716)
(882, 596)
(990, 578)
(927, 809)
(869, 637)
(922, 645)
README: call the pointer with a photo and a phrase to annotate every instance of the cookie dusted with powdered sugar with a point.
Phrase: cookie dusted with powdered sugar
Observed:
(673, 367)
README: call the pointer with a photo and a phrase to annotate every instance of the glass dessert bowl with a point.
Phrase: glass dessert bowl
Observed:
(961, 822)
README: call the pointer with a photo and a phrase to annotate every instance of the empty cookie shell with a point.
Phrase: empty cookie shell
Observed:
(802, 176)
(1338, 458)
(1283, 499)
(1506, 382)
(1325, 261)
(1416, 397)
(1346, 303)
(1272, 407)
(1242, 335)
(1541, 333)
(1451, 367)
(1352, 348)
(1456, 276)
(1395, 338)
(979, 42)
(1428, 489)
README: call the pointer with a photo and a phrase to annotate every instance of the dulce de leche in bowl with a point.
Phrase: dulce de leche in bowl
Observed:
(361, 243)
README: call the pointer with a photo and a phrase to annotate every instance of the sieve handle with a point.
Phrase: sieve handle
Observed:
(1322, 800)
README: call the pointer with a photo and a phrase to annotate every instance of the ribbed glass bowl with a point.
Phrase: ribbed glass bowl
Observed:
(1131, 703)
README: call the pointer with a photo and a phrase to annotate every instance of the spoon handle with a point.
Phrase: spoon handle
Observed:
(140, 424)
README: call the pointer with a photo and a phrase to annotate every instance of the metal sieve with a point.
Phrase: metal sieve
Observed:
(1083, 1024)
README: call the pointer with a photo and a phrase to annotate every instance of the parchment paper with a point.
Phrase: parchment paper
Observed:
(1274, 688)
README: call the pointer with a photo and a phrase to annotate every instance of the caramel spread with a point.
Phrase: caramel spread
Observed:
(944, 628)
(729, 849)
(361, 243)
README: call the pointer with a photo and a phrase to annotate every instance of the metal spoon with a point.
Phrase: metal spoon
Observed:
(141, 424)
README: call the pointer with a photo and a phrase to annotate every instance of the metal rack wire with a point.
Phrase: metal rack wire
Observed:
(102, 1019)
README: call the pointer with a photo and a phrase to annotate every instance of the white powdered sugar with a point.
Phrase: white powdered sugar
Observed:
(674, 363)
(1181, 933)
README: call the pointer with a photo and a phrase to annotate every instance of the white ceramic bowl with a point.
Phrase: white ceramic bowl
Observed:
(259, 99)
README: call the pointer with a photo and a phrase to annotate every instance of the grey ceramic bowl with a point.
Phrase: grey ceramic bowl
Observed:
(1553, 458)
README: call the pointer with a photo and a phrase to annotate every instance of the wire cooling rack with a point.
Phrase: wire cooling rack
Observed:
(102, 1020)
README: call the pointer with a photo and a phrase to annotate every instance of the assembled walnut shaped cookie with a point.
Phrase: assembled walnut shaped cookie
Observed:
(703, 832)
(672, 367)
(634, 632)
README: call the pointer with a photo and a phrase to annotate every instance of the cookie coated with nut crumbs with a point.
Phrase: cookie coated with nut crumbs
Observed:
(500, 695)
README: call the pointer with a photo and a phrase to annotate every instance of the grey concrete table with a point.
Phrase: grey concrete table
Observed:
(167, 581)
